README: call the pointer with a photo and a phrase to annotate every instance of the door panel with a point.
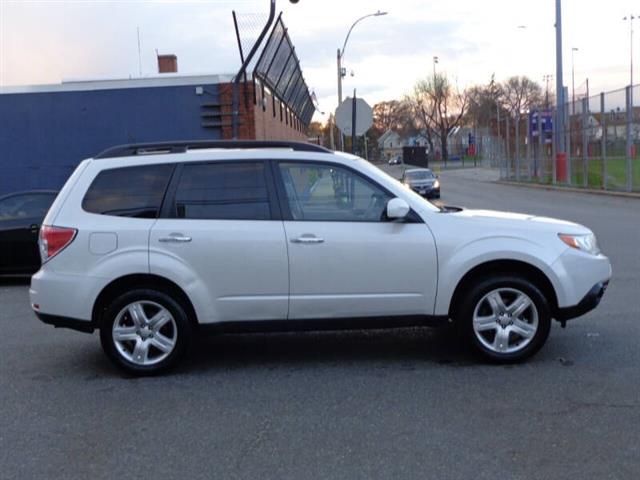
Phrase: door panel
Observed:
(361, 269)
(345, 258)
(241, 264)
(20, 219)
(224, 234)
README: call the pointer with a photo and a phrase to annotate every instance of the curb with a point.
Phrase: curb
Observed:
(610, 193)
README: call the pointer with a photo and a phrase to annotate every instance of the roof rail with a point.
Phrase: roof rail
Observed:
(183, 146)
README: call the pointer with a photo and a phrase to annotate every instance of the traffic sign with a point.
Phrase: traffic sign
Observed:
(344, 116)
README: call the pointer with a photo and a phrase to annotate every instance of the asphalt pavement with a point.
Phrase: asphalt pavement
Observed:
(406, 403)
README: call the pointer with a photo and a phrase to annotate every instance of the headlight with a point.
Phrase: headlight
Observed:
(436, 184)
(587, 243)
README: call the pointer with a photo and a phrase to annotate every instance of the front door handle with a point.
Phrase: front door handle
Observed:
(307, 239)
(175, 238)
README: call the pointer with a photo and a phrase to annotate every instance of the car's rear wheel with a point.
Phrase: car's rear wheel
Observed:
(145, 331)
(505, 318)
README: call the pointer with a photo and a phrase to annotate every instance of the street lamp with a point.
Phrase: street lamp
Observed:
(341, 71)
(630, 18)
(573, 82)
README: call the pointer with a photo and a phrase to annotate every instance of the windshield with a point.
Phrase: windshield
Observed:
(420, 175)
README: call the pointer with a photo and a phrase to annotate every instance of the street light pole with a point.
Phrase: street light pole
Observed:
(340, 56)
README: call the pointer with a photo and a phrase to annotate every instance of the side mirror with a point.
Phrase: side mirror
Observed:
(397, 209)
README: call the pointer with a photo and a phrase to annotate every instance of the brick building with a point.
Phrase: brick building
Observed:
(46, 130)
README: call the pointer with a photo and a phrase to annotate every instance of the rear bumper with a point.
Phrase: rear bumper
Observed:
(66, 322)
(588, 303)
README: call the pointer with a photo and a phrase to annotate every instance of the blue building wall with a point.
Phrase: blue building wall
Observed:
(44, 135)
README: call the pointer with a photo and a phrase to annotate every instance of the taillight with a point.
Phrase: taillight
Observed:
(54, 239)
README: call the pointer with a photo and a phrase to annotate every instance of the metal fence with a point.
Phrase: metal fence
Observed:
(602, 143)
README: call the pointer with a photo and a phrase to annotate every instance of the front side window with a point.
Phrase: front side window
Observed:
(33, 205)
(223, 191)
(319, 192)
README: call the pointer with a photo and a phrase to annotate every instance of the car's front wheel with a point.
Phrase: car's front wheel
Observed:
(505, 318)
(145, 331)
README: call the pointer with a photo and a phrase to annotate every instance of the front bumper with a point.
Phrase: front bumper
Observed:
(588, 303)
(426, 191)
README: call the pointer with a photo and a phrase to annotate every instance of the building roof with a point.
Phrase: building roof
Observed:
(164, 80)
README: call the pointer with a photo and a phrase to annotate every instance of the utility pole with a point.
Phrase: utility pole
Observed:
(573, 82)
(435, 60)
(546, 78)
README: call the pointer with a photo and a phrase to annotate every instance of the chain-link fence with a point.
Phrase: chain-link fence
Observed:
(601, 137)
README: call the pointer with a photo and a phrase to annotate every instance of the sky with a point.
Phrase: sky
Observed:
(48, 41)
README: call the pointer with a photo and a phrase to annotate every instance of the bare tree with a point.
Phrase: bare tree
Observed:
(386, 115)
(521, 94)
(441, 106)
(484, 102)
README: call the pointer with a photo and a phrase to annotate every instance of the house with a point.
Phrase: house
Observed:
(390, 144)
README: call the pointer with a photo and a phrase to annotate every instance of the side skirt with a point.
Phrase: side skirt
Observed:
(325, 324)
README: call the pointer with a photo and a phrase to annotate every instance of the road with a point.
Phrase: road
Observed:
(405, 403)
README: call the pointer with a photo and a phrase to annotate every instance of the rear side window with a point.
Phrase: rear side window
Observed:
(129, 191)
(223, 191)
(32, 205)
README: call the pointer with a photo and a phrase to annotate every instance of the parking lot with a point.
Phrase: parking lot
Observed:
(406, 403)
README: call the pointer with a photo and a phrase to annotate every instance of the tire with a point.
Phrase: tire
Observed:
(504, 318)
(145, 331)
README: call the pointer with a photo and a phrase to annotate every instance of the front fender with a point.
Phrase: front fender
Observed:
(453, 266)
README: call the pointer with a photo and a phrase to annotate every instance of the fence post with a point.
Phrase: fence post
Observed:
(508, 148)
(567, 136)
(517, 140)
(603, 140)
(541, 147)
(629, 139)
(554, 148)
(528, 140)
(585, 142)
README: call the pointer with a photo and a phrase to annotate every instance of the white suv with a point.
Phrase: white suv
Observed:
(152, 243)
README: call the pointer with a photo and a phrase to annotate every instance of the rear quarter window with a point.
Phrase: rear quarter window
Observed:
(129, 191)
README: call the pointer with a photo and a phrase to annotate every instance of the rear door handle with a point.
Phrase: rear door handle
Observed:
(34, 228)
(307, 239)
(175, 238)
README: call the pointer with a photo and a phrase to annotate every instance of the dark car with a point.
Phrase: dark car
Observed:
(422, 181)
(21, 215)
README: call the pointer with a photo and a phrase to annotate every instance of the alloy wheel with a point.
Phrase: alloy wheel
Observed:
(505, 320)
(144, 333)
